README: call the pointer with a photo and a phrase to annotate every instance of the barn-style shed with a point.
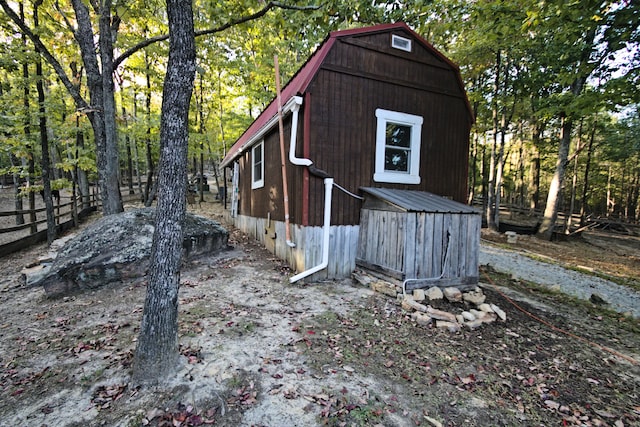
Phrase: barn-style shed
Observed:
(372, 107)
(419, 237)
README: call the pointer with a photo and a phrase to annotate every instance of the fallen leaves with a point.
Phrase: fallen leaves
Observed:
(105, 395)
(180, 416)
(244, 396)
(193, 355)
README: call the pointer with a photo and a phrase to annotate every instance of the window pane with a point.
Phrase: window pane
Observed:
(396, 159)
(257, 172)
(398, 135)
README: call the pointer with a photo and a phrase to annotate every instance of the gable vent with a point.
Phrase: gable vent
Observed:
(401, 43)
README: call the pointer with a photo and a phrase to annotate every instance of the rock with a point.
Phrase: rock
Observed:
(468, 316)
(474, 324)
(477, 314)
(434, 293)
(459, 318)
(418, 295)
(433, 421)
(476, 297)
(441, 315)
(452, 294)
(33, 275)
(384, 288)
(597, 299)
(362, 278)
(486, 308)
(423, 319)
(500, 312)
(451, 326)
(117, 247)
(409, 304)
(489, 318)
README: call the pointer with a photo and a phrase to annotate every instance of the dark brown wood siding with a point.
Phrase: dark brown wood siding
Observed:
(359, 75)
(269, 200)
(352, 83)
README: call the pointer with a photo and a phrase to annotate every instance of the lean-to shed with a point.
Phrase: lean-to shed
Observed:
(419, 237)
(372, 107)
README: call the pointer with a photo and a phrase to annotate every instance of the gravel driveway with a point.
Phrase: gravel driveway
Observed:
(574, 283)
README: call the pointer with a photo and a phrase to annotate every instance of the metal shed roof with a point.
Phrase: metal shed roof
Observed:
(419, 201)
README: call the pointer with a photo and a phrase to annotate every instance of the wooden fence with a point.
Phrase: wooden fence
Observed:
(34, 229)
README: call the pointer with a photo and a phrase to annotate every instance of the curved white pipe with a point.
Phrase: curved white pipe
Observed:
(326, 228)
(295, 107)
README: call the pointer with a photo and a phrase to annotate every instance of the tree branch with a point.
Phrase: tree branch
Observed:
(46, 54)
(271, 5)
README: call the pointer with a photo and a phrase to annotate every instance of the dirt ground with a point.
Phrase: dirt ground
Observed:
(258, 351)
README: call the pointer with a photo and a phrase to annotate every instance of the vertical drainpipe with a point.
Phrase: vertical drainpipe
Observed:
(326, 228)
(328, 187)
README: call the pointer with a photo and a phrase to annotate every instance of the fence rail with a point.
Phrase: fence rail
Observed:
(66, 216)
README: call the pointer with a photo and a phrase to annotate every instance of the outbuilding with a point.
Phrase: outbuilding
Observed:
(374, 107)
(419, 238)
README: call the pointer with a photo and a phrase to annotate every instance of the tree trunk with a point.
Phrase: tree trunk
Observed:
(107, 176)
(111, 197)
(491, 206)
(553, 199)
(31, 165)
(610, 200)
(156, 356)
(497, 186)
(135, 147)
(201, 132)
(44, 143)
(128, 148)
(585, 184)
(148, 193)
(534, 177)
(17, 191)
(474, 169)
(574, 181)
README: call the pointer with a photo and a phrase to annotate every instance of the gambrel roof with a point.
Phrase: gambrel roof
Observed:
(304, 76)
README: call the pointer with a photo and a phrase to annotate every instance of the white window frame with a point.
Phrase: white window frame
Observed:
(412, 176)
(255, 182)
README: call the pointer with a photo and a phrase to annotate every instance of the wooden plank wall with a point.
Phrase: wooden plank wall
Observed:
(343, 242)
(414, 245)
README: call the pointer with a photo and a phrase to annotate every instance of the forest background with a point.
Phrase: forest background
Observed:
(553, 85)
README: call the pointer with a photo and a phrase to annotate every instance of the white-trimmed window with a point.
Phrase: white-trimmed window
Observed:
(257, 165)
(397, 147)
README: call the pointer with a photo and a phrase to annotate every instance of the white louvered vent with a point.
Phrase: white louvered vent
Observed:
(400, 43)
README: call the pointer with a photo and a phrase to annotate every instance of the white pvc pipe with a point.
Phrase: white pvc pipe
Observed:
(328, 186)
(295, 107)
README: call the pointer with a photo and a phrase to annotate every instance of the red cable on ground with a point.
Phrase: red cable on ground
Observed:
(555, 328)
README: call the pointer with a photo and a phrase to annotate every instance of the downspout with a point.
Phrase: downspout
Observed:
(295, 108)
(326, 228)
(328, 187)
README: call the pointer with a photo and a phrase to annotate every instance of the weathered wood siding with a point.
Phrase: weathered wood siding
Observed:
(343, 243)
(414, 245)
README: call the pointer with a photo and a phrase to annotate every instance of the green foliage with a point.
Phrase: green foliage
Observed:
(544, 48)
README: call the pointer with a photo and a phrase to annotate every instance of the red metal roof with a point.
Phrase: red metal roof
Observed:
(301, 80)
